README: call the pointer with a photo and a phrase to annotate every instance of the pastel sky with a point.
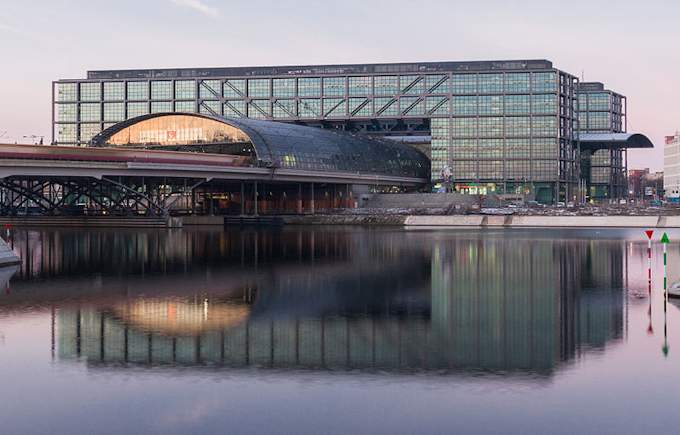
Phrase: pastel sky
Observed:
(631, 45)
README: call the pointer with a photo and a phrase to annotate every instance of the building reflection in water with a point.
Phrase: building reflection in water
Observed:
(327, 298)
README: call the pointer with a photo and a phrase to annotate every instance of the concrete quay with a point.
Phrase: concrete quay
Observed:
(490, 221)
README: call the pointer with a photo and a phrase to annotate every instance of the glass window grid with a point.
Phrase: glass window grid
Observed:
(137, 91)
(210, 89)
(441, 81)
(360, 86)
(234, 88)
(544, 82)
(67, 92)
(517, 82)
(161, 90)
(333, 86)
(185, 106)
(114, 112)
(67, 112)
(309, 87)
(137, 109)
(517, 104)
(385, 85)
(114, 91)
(259, 109)
(283, 88)
(385, 106)
(210, 107)
(258, 88)
(334, 107)
(360, 107)
(90, 91)
(185, 90)
(88, 131)
(309, 108)
(161, 106)
(90, 112)
(437, 105)
(412, 85)
(464, 84)
(490, 83)
(235, 109)
(66, 133)
(284, 108)
(490, 105)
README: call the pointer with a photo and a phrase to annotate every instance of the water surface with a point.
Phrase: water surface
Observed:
(337, 330)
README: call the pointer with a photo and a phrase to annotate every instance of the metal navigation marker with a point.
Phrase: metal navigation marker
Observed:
(649, 234)
(664, 240)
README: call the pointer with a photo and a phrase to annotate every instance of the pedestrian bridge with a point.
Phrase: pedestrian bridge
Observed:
(192, 163)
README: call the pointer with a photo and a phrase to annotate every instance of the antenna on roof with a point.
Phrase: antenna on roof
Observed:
(583, 75)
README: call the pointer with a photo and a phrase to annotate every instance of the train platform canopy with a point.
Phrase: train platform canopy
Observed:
(269, 144)
(596, 141)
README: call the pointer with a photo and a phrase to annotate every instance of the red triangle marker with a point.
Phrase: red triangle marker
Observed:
(649, 233)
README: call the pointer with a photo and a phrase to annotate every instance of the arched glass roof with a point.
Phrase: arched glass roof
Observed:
(276, 144)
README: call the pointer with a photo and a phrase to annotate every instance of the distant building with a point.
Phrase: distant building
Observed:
(671, 167)
(635, 189)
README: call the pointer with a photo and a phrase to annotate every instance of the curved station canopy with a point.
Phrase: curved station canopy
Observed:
(595, 141)
(269, 144)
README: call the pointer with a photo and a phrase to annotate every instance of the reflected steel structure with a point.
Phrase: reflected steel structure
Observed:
(194, 163)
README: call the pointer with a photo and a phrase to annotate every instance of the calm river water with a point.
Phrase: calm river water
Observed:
(338, 330)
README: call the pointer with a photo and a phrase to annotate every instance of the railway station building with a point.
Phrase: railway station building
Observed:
(518, 126)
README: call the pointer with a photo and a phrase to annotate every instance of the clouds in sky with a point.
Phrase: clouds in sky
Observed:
(198, 6)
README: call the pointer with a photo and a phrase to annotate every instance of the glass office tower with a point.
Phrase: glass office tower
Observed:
(602, 111)
(507, 126)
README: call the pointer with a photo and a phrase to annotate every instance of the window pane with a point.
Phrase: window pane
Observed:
(185, 90)
(309, 87)
(114, 91)
(138, 90)
(90, 91)
(161, 90)
(258, 88)
(66, 91)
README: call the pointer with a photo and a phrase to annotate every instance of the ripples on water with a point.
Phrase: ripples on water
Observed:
(500, 312)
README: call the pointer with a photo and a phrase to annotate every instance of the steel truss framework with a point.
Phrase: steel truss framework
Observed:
(122, 196)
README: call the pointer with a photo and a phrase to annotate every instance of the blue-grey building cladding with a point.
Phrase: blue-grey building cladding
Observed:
(507, 126)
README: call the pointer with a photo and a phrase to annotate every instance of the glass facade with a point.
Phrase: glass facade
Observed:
(602, 111)
(507, 126)
(275, 144)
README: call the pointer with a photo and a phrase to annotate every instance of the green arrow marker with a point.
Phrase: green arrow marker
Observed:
(664, 238)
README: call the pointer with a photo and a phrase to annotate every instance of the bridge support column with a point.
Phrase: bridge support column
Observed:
(311, 201)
